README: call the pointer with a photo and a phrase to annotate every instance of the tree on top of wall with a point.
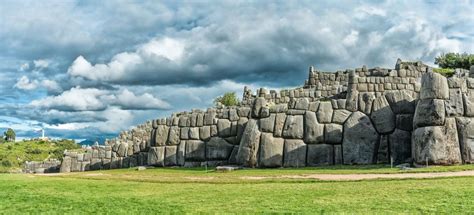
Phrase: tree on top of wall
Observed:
(455, 60)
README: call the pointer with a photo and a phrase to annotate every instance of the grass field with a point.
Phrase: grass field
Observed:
(197, 191)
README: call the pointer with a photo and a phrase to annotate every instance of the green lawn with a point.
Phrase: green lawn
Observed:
(195, 191)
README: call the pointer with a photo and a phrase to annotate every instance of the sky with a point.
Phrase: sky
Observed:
(89, 69)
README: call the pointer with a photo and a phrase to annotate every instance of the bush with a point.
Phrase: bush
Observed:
(455, 60)
(6, 163)
(228, 99)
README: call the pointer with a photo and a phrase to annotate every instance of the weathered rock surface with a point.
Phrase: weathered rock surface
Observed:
(404, 122)
(360, 139)
(340, 116)
(320, 154)
(268, 124)
(401, 102)
(333, 133)
(366, 100)
(223, 127)
(454, 106)
(383, 116)
(249, 145)
(294, 153)
(468, 99)
(271, 151)
(218, 149)
(400, 146)
(324, 113)
(279, 124)
(436, 145)
(161, 135)
(434, 86)
(314, 132)
(170, 156)
(465, 128)
(257, 106)
(429, 112)
(302, 104)
(195, 150)
(293, 127)
(156, 156)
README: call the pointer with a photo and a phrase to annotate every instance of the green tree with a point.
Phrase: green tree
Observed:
(455, 60)
(9, 135)
(228, 99)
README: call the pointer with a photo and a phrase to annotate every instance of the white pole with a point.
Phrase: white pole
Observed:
(42, 136)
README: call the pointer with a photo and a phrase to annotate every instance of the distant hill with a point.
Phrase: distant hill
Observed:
(14, 154)
(90, 142)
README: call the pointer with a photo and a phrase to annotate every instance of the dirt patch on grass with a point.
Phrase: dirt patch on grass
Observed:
(357, 177)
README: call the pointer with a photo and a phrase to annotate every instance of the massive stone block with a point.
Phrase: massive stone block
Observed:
(240, 128)
(360, 139)
(194, 133)
(271, 151)
(293, 127)
(429, 112)
(223, 127)
(366, 100)
(184, 133)
(205, 132)
(436, 144)
(294, 153)
(401, 102)
(320, 154)
(352, 99)
(404, 122)
(400, 146)
(174, 134)
(66, 164)
(469, 103)
(340, 116)
(302, 104)
(333, 133)
(156, 156)
(314, 132)
(161, 135)
(465, 128)
(257, 106)
(218, 149)
(268, 124)
(454, 106)
(122, 149)
(324, 113)
(434, 86)
(383, 116)
(383, 150)
(181, 151)
(249, 145)
(170, 156)
(209, 117)
(279, 124)
(195, 150)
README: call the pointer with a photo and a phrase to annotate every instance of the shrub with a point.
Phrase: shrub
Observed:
(228, 99)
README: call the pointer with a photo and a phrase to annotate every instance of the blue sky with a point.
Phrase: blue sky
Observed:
(88, 69)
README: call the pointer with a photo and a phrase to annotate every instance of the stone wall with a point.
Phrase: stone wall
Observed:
(407, 114)
(49, 166)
